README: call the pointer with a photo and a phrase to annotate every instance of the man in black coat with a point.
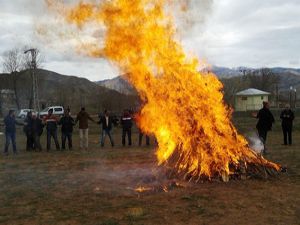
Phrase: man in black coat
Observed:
(126, 122)
(141, 134)
(107, 122)
(287, 117)
(36, 131)
(28, 131)
(67, 123)
(265, 121)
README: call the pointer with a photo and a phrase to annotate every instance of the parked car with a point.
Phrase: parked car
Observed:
(23, 113)
(57, 110)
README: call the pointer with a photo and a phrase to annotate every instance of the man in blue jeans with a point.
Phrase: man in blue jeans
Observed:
(10, 131)
(107, 123)
(67, 123)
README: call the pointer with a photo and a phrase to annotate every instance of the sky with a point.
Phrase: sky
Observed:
(230, 33)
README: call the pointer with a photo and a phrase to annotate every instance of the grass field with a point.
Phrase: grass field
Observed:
(97, 187)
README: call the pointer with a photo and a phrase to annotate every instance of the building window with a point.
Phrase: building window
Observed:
(244, 98)
(262, 97)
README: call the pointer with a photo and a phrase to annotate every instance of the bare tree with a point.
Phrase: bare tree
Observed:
(12, 63)
(263, 79)
(231, 86)
(16, 63)
(1, 102)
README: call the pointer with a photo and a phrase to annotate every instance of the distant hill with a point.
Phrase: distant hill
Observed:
(288, 77)
(226, 72)
(118, 84)
(58, 89)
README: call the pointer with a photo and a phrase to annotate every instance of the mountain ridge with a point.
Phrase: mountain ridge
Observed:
(66, 90)
(292, 78)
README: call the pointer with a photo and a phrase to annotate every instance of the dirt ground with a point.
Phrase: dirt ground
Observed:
(97, 187)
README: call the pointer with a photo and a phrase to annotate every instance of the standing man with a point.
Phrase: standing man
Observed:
(141, 134)
(264, 124)
(10, 131)
(28, 131)
(36, 131)
(287, 117)
(83, 117)
(107, 122)
(126, 122)
(51, 125)
(67, 123)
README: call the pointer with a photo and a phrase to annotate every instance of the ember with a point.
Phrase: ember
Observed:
(143, 189)
(183, 108)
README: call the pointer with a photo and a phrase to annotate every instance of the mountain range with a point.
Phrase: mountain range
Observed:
(72, 91)
(287, 77)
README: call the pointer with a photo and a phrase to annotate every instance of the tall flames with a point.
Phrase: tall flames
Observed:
(183, 107)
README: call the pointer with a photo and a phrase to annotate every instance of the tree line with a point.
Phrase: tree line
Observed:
(263, 79)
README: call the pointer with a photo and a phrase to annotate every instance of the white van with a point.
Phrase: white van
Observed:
(57, 110)
(23, 113)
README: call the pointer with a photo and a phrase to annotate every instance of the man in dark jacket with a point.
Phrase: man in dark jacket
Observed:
(51, 125)
(28, 131)
(10, 131)
(287, 117)
(83, 117)
(265, 121)
(141, 134)
(67, 123)
(36, 131)
(107, 123)
(126, 122)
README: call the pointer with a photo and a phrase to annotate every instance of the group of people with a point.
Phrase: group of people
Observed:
(34, 126)
(266, 120)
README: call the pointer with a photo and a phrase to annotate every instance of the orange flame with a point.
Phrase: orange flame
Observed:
(183, 108)
(143, 189)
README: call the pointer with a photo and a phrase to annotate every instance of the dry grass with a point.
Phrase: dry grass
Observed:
(95, 187)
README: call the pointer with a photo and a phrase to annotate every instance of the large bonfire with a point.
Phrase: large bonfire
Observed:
(183, 107)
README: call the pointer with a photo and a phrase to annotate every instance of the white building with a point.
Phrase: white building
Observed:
(250, 99)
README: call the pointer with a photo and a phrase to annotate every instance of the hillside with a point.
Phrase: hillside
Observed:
(287, 77)
(57, 89)
(118, 84)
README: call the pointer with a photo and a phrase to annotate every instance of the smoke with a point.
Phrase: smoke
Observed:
(192, 14)
(191, 17)
(255, 143)
(127, 177)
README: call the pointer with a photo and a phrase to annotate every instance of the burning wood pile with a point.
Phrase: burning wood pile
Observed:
(183, 108)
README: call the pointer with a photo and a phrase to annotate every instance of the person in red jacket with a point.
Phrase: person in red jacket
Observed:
(51, 126)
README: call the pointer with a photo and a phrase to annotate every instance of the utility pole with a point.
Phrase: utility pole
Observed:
(33, 52)
(277, 96)
(291, 90)
(295, 99)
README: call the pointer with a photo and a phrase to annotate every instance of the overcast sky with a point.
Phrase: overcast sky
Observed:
(229, 33)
